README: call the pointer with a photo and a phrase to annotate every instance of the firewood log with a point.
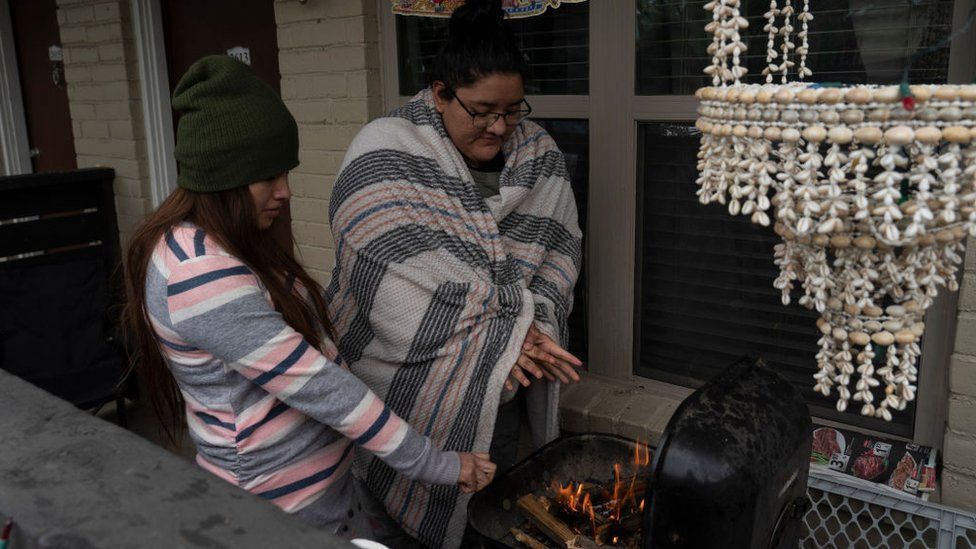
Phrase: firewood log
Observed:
(526, 539)
(581, 542)
(536, 510)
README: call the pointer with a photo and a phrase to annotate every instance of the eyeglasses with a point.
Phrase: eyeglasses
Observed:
(486, 119)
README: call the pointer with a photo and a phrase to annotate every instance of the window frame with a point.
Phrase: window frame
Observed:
(614, 111)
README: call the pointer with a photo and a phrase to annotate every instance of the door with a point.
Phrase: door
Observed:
(191, 34)
(41, 70)
(247, 30)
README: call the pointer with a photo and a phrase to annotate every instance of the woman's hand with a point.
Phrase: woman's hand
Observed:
(477, 471)
(522, 366)
(556, 362)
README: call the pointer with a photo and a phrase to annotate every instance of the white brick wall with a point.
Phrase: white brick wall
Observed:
(329, 62)
(959, 478)
(103, 94)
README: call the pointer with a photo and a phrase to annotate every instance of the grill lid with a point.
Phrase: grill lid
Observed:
(731, 468)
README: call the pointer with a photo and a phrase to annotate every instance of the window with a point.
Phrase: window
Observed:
(673, 290)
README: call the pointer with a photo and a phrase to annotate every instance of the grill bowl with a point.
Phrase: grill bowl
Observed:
(584, 457)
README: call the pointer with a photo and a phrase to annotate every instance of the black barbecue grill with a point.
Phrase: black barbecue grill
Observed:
(730, 470)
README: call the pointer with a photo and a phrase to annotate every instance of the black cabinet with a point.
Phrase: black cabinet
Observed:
(59, 298)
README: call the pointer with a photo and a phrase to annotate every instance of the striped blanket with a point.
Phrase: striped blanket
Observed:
(434, 289)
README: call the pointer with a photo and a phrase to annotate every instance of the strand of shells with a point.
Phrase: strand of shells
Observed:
(873, 203)
(727, 42)
(726, 24)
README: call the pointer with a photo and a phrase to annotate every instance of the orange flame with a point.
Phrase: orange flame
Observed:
(642, 454)
(576, 497)
(630, 492)
(566, 496)
(570, 495)
(617, 486)
(588, 507)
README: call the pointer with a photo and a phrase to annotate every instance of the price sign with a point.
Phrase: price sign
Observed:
(838, 461)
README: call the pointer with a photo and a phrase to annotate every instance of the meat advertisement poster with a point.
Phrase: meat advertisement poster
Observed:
(901, 466)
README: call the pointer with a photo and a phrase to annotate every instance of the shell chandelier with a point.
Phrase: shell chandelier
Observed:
(870, 187)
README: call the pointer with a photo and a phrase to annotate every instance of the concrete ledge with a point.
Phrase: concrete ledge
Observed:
(71, 480)
(638, 408)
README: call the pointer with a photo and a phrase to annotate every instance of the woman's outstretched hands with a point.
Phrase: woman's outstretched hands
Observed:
(477, 471)
(543, 357)
(523, 367)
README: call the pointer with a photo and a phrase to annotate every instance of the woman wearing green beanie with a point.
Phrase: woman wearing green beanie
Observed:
(231, 333)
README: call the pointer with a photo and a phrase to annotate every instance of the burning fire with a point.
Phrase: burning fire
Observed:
(604, 509)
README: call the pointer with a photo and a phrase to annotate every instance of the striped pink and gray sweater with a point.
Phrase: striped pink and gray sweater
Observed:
(267, 411)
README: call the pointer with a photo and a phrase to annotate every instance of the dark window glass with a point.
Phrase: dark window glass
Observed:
(851, 41)
(572, 136)
(705, 284)
(556, 45)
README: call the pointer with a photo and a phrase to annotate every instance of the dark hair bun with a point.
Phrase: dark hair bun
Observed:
(479, 43)
(476, 15)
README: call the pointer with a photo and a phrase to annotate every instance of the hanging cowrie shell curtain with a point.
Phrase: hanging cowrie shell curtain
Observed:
(873, 195)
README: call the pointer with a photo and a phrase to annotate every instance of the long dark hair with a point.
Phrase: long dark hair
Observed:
(230, 218)
(479, 44)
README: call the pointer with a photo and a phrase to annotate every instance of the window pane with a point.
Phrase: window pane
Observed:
(572, 136)
(706, 293)
(851, 41)
(556, 44)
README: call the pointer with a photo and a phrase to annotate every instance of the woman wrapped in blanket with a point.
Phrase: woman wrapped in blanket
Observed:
(458, 247)
(232, 333)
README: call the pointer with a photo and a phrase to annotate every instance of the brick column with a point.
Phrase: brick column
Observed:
(959, 475)
(101, 70)
(329, 61)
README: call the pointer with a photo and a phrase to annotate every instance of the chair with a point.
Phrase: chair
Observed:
(59, 252)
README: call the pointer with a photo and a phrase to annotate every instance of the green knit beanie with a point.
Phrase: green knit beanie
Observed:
(234, 128)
